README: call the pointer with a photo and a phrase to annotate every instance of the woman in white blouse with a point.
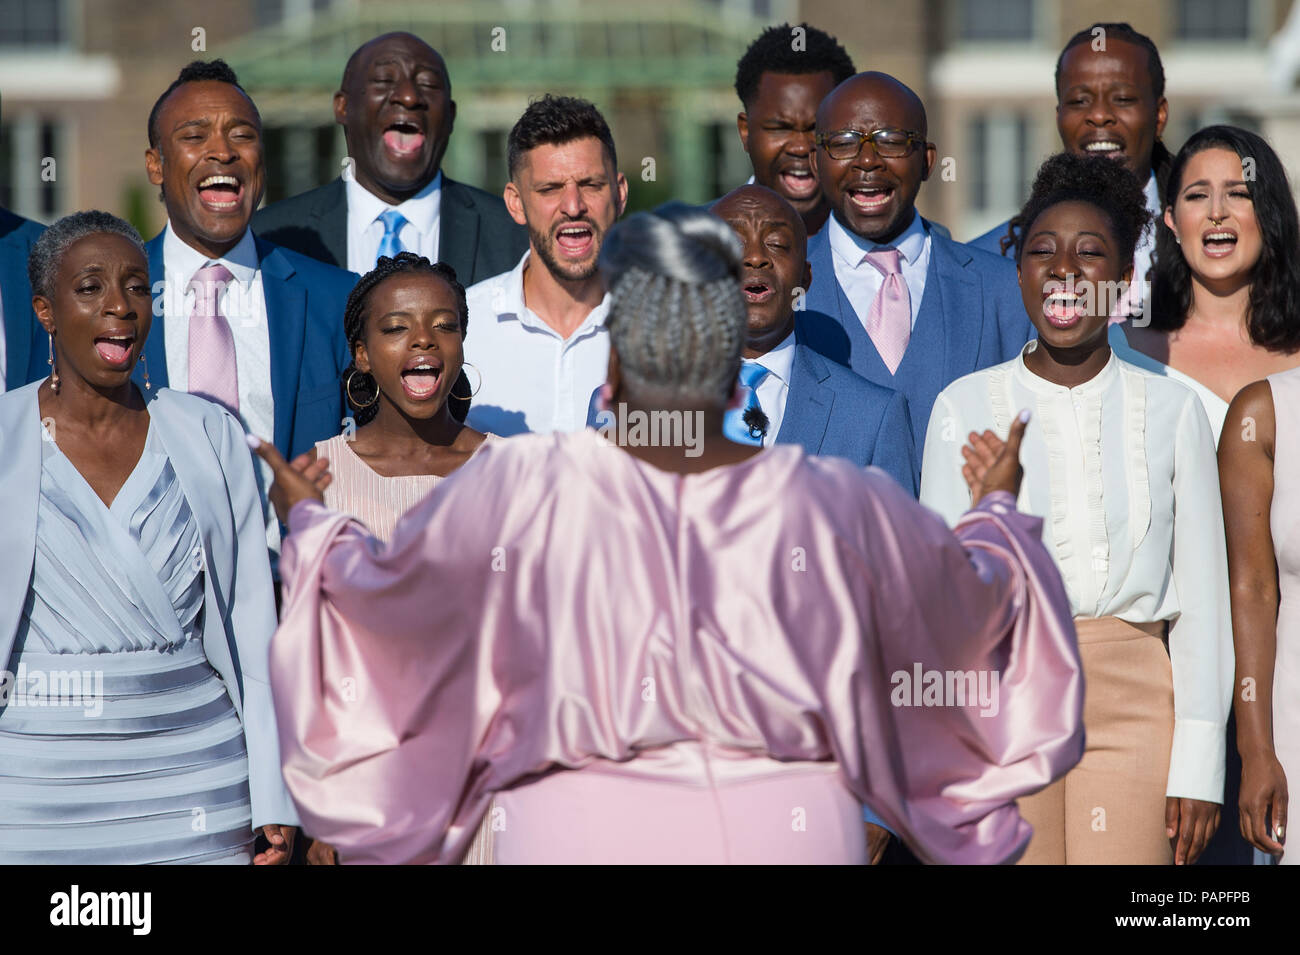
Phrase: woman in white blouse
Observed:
(1120, 464)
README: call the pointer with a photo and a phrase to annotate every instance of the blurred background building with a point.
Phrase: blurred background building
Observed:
(78, 77)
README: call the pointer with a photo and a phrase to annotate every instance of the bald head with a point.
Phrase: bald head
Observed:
(397, 114)
(874, 196)
(775, 261)
(881, 94)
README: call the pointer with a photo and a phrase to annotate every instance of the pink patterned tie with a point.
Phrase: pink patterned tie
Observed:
(212, 344)
(889, 323)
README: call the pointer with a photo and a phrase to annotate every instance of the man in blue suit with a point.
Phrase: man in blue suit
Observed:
(20, 359)
(280, 313)
(801, 398)
(894, 299)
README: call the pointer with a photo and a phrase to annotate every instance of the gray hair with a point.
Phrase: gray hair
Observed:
(48, 252)
(677, 316)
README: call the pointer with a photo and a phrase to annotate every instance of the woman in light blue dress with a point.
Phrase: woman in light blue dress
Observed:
(135, 593)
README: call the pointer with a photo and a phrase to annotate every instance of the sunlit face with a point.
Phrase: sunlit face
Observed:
(413, 343)
(100, 310)
(397, 113)
(1213, 217)
(777, 131)
(568, 195)
(209, 163)
(873, 197)
(1107, 107)
(1069, 269)
(775, 260)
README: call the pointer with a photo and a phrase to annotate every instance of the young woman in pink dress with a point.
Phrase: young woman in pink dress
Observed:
(405, 324)
(658, 652)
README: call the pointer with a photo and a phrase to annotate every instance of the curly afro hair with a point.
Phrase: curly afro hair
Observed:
(1098, 181)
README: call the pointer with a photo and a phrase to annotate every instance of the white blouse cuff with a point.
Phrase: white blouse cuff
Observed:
(1196, 769)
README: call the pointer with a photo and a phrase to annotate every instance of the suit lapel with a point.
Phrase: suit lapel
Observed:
(19, 317)
(960, 307)
(824, 294)
(332, 221)
(457, 231)
(807, 403)
(155, 346)
(286, 318)
(20, 476)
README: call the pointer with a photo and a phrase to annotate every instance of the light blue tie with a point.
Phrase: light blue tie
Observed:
(389, 245)
(733, 422)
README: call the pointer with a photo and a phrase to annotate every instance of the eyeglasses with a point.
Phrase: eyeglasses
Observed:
(888, 143)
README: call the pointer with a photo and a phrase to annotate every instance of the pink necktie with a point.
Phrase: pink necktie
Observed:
(212, 344)
(889, 323)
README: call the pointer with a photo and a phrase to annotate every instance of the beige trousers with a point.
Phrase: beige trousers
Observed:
(1110, 809)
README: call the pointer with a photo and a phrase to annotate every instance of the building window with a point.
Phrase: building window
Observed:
(32, 23)
(273, 12)
(1205, 20)
(29, 167)
(995, 21)
(1000, 163)
(494, 171)
(299, 158)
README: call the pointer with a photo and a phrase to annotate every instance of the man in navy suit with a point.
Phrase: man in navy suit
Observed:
(884, 277)
(803, 398)
(396, 110)
(21, 361)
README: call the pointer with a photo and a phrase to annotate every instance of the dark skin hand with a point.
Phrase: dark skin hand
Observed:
(1246, 451)
(776, 131)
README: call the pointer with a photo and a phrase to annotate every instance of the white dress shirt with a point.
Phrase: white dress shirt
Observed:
(532, 379)
(244, 306)
(774, 389)
(1146, 246)
(861, 280)
(1216, 409)
(423, 212)
(1122, 470)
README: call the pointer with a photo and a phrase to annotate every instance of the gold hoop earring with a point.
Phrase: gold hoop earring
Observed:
(347, 387)
(54, 372)
(471, 395)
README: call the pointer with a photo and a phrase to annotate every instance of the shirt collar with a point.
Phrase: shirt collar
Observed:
(421, 210)
(511, 302)
(1092, 387)
(185, 260)
(780, 360)
(850, 248)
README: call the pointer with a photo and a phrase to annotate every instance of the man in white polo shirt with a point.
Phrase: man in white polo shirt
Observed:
(537, 336)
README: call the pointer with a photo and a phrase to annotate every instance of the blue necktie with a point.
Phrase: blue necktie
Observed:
(733, 423)
(389, 245)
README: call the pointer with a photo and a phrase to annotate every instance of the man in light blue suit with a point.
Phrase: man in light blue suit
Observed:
(894, 299)
(20, 359)
(269, 346)
(802, 398)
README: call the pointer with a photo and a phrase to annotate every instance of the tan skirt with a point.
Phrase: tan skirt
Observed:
(1110, 809)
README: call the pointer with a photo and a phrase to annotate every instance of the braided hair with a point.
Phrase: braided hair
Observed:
(360, 385)
(677, 316)
(1098, 181)
(1161, 159)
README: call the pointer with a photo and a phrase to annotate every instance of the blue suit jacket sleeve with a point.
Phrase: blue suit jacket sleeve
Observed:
(991, 241)
(895, 449)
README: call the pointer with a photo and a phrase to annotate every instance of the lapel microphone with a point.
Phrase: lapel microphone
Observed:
(756, 421)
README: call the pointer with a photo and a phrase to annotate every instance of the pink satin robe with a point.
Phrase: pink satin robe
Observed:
(650, 667)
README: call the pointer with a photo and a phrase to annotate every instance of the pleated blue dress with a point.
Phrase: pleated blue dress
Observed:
(119, 743)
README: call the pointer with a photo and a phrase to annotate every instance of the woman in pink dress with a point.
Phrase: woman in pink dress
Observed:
(405, 323)
(677, 648)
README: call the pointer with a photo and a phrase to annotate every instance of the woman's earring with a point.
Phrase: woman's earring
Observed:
(54, 372)
(144, 366)
(464, 365)
(347, 388)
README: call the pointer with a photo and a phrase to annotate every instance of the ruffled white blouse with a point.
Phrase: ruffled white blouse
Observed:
(1122, 469)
